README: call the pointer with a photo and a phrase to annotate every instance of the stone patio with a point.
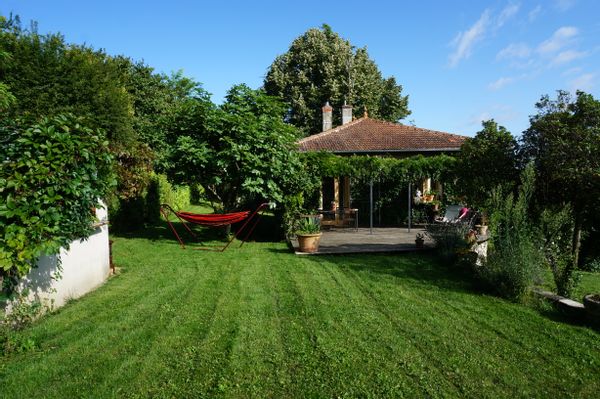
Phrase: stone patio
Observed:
(351, 241)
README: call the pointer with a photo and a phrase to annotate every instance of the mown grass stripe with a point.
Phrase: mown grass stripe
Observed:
(260, 322)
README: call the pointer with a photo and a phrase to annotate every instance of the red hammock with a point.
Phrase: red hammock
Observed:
(213, 220)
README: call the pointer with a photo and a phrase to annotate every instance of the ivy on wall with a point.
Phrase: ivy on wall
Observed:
(53, 173)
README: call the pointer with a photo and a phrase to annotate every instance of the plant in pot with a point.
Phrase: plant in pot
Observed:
(309, 234)
(482, 227)
(592, 308)
(420, 240)
(429, 196)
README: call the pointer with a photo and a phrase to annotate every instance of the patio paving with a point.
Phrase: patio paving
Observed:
(350, 241)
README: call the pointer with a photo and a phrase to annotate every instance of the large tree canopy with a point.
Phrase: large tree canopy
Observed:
(246, 151)
(141, 111)
(564, 142)
(321, 66)
(486, 161)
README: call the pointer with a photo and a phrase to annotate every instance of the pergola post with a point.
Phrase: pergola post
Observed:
(371, 207)
(409, 205)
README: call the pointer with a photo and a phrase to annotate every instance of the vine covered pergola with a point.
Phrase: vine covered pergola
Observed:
(405, 172)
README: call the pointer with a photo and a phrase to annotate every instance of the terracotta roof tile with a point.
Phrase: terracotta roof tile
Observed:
(372, 135)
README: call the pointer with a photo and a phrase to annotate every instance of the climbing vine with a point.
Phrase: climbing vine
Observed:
(53, 173)
(366, 167)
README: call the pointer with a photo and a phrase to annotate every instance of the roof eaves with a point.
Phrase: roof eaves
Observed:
(445, 149)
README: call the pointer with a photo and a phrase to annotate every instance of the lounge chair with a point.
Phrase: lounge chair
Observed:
(451, 215)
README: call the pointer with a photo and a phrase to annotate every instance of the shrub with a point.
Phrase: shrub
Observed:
(449, 238)
(23, 311)
(133, 213)
(161, 191)
(513, 261)
(512, 266)
(592, 265)
(52, 176)
(556, 228)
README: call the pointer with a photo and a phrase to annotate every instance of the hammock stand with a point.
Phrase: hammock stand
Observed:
(214, 220)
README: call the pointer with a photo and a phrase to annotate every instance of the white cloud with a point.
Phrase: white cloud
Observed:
(501, 113)
(533, 14)
(507, 13)
(564, 5)
(463, 42)
(514, 50)
(500, 83)
(572, 71)
(567, 56)
(584, 82)
(477, 119)
(561, 38)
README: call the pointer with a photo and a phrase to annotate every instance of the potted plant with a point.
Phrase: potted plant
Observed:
(482, 228)
(429, 196)
(592, 308)
(420, 240)
(309, 234)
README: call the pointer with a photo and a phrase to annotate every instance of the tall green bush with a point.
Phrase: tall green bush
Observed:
(161, 191)
(132, 214)
(514, 259)
(556, 229)
(53, 174)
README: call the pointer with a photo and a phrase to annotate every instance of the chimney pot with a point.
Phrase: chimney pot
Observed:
(346, 114)
(327, 116)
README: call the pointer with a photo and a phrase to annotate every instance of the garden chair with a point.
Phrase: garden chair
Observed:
(451, 215)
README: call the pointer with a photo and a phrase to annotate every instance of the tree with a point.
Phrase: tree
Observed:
(164, 107)
(48, 77)
(246, 152)
(486, 161)
(141, 111)
(321, 66)
(564, 142)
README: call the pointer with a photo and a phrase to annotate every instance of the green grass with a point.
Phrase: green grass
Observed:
(590, 284)
(261, 322)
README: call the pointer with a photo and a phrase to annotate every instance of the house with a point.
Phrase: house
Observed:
(367, 136)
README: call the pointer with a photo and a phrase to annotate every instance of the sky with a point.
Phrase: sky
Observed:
(460, 62)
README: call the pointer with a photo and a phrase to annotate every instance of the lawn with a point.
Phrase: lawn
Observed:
(261, 322)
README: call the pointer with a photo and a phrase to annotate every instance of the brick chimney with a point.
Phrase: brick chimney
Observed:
(346, 114)
(327, 116)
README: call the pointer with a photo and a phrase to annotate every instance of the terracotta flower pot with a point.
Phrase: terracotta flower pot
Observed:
(592, 308)
(309, 242)
(482, 229)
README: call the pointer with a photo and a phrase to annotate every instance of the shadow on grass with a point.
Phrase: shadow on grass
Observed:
(267, 230)
(421, 268)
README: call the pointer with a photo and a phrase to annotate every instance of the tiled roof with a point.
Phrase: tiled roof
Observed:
(372, 135)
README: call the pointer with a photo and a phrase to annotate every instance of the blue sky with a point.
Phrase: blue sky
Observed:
(459, 61)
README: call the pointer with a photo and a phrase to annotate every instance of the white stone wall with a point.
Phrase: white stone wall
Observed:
(85, 266)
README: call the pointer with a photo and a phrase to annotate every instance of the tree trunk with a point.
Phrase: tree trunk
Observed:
(576, 242)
